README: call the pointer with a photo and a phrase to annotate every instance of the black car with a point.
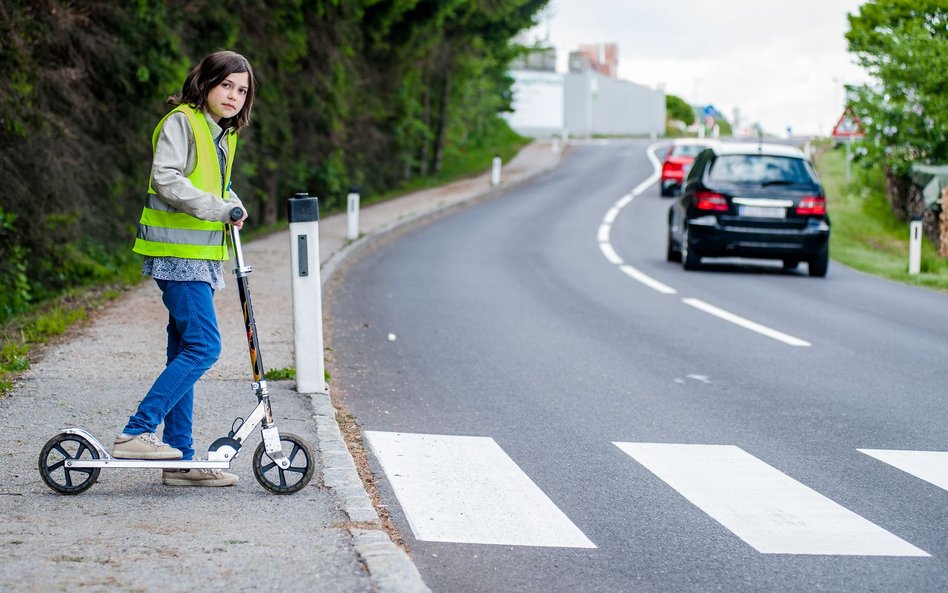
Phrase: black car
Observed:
(751, 200)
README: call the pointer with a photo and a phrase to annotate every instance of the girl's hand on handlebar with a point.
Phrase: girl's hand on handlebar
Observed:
(237, 217)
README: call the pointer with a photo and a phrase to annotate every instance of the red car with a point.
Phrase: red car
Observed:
(678, 160)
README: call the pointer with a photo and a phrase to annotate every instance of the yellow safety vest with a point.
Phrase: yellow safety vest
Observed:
(165, 231)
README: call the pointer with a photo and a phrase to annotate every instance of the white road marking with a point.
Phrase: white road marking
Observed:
(466, 489)
(746, 323)
(605, 228)
(610, 254)
(647, 280)
(931, 466)
(611, 214)
(627, 198)
(603, 235)
(766, 508)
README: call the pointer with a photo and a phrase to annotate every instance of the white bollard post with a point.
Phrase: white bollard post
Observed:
(495, 171)
(915, 245)
(352, 220)
(556, 145)
(303, 215)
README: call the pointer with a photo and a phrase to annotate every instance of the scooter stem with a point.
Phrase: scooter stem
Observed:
(243, 289)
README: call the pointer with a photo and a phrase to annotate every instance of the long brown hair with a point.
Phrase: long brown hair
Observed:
(208, 74)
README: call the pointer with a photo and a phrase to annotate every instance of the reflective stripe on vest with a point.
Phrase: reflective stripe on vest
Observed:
(163, 230)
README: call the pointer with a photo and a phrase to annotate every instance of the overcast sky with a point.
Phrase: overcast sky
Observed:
(781, 62)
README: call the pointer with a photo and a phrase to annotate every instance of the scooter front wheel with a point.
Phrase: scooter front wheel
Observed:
(52, 463)
(292, 479)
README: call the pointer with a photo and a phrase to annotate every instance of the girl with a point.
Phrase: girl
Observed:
(181, 234)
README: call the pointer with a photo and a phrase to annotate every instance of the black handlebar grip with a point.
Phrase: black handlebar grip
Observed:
(236, 213)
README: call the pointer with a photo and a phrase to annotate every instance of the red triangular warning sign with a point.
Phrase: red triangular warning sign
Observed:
(848, 126)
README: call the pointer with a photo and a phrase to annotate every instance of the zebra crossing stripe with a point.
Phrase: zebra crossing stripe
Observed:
(931, 466)
(466, 489)
(766, 508)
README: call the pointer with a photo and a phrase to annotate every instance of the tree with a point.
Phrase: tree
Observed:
(679, 110)
(471, 65)
(903, 44)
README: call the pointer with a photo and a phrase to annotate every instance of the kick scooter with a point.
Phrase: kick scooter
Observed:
(70, 462)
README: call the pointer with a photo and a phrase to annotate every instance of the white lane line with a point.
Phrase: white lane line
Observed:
(468, 490)
(603, 235)
(746, 323)
(766, 508)
(610, 253)
(611, 214)
(627, 198)
(931, 466)
(647, 280)
(605, 228)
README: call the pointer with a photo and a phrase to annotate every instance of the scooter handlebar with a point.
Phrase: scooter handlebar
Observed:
(236, 214)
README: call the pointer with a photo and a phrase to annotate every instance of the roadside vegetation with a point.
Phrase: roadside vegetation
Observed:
(386, 97)
(867, 235)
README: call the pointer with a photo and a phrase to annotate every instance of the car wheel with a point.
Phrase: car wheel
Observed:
(665, 191)
(690, 260)
(790, 264)
(819, 264)
(672, 254)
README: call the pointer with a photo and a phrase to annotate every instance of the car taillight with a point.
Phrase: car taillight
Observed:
(706, 200)
(672, 166)
(812, 206)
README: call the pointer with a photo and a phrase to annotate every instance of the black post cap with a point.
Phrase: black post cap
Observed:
(302, 208)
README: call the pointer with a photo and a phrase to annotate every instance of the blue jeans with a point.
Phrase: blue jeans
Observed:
(194, 344)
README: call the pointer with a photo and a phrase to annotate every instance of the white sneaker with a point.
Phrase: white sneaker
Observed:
(143, 446)
(197, 477)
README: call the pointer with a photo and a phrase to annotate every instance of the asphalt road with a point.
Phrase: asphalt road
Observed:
(549, 405)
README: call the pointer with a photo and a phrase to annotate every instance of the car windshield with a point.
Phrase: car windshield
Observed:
(690, 150)
(760, 168)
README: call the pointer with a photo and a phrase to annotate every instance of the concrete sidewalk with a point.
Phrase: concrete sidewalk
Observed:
(129, 533)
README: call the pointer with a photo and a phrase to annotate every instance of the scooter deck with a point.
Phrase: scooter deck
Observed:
(147, 463)
(106, 460)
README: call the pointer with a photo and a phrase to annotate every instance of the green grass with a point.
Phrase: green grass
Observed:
(284, 374)
(288, 373)
(866, 234)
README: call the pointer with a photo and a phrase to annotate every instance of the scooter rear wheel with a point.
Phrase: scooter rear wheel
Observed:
(292, 479)
(52, 463)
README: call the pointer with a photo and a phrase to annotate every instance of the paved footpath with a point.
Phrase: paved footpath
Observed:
(130, 533)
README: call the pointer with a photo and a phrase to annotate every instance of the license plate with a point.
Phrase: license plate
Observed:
(762, 212)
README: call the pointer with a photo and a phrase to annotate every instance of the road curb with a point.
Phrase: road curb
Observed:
(390, 568)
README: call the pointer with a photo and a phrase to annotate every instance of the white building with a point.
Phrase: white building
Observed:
(539, 103)
(583, 103)
(597, 104)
